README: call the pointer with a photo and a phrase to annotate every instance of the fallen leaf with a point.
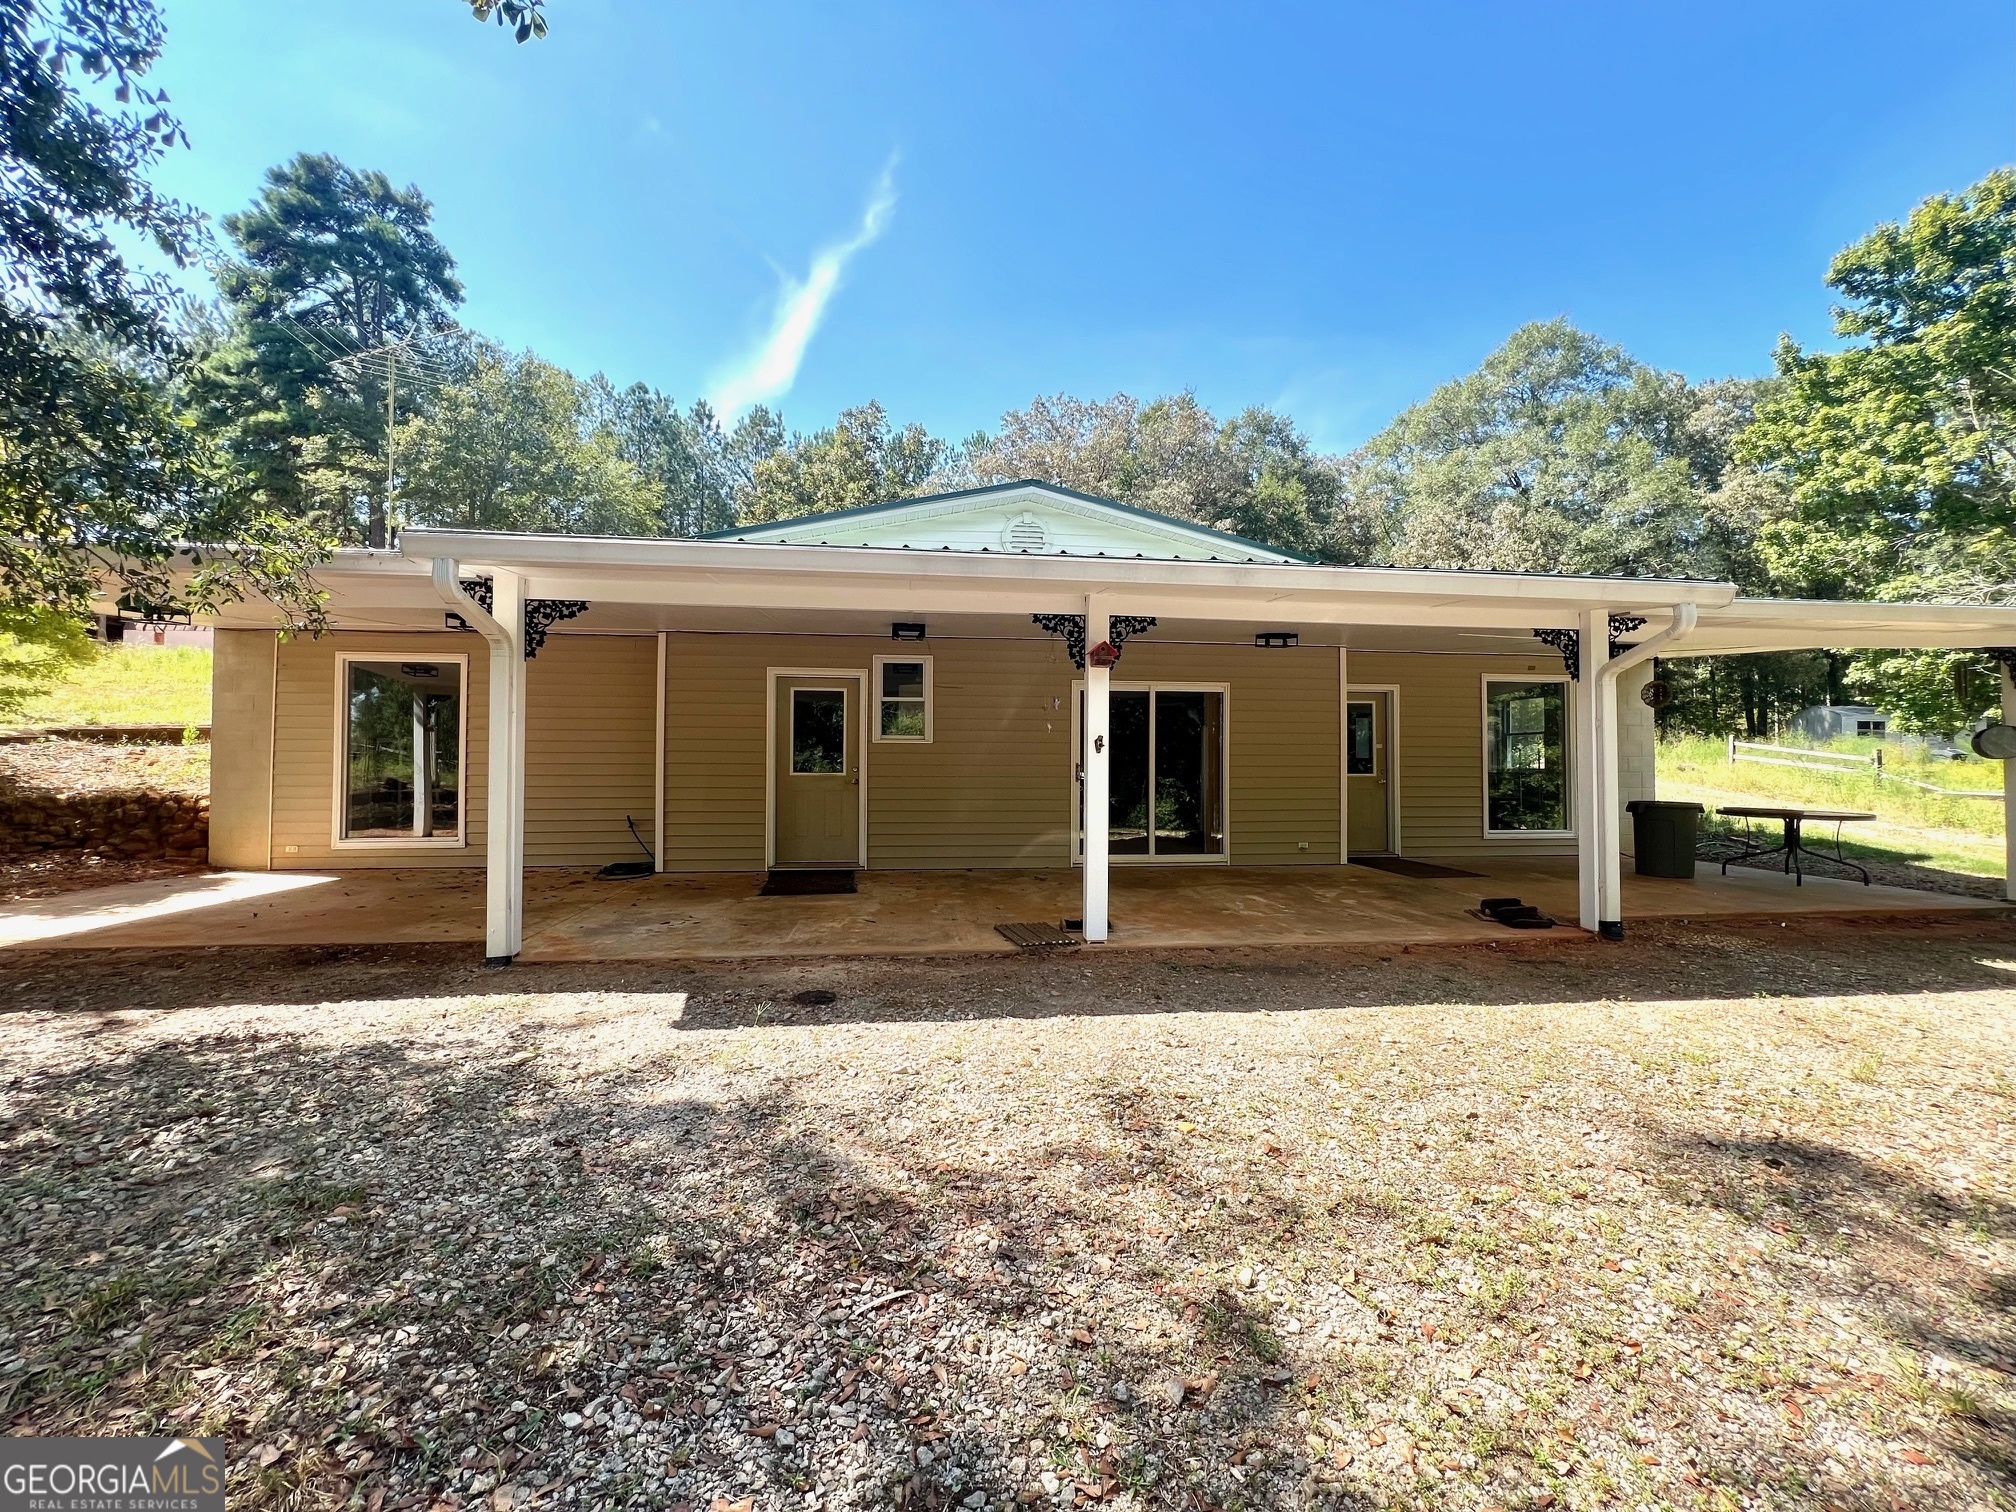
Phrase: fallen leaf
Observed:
(1376, 1437)
(1914, 1456)
(768, 1430)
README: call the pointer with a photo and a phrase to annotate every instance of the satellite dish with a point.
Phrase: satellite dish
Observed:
(1997, 742)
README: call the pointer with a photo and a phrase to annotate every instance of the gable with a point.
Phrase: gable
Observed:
(1033, 519)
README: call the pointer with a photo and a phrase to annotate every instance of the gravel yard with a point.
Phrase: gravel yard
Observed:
(1720, 1219)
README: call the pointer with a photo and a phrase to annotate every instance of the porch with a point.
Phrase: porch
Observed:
(573, 916)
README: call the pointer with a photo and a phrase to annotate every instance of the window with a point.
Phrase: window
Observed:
(1525, 756)
(1165, 772)
(903, 698)
(401, 752)
(1869, 727)
(818, 731)
(1361, 756)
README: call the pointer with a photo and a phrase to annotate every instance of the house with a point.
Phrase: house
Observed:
(1833, 721)
(950, 683)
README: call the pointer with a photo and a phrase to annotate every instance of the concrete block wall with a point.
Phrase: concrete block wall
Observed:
(1637, 744)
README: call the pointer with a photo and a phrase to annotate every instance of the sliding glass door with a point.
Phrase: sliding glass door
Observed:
(1166, 773)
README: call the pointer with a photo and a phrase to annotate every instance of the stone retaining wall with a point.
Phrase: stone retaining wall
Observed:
(135, 825)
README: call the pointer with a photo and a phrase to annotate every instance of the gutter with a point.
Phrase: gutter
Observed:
(1685, 617)
(447, 583)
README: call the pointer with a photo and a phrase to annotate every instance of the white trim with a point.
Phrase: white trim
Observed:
(1343, 756)
(658, 765)
(1013, 501)
(340, 777)
(1224, 691)
(771, 675)
(272, 747)
(1567, 754)
(1392, 692)
(873, 713)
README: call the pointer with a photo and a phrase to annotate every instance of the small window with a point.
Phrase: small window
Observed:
(1361, 756)
(402, 750)
(1868, 727)
(1526, 756)
(818, 731)
(903, 698)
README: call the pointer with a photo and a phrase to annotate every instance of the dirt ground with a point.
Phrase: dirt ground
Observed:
(89, 766)
(1724, 1217)
(50, 874)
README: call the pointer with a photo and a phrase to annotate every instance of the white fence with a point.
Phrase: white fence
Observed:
(1844, 763)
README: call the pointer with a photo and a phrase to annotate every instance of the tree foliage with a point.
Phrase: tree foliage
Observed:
(514, 444)
(1254, 475)
(861, 459)
(697, 469)
(102, 482)
(338, 278)
(1562, 453)
(1899, 451)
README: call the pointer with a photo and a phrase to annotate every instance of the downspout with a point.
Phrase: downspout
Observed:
(1610, 884)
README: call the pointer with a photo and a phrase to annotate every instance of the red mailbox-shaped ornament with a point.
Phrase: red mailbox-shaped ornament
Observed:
(1105, 654)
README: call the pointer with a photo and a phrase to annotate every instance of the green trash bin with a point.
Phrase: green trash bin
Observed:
(1663, 836)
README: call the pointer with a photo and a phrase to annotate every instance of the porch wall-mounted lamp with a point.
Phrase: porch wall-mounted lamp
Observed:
(1277, 640)
(907, 630)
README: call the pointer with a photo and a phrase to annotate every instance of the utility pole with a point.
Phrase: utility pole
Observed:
(391, 390)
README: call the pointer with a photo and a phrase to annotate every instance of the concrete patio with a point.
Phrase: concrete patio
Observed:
(573, 916)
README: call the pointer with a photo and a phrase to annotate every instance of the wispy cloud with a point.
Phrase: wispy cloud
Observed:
(768, 371)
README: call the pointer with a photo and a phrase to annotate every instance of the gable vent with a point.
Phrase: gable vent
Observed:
(1025, 533)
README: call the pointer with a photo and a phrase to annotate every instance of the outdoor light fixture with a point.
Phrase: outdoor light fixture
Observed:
(1277, 640)
(906, 630)
(454, 621)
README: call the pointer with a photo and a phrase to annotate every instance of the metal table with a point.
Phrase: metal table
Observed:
(1794, 844)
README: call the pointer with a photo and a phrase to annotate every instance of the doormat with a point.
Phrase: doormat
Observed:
(1400, 866)
(806, 884)
(1038, 936)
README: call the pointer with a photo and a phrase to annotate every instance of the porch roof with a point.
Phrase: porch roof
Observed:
(647, 584)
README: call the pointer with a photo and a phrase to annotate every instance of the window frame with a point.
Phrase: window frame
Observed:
(875, 734)
(1568, 805)
(339, 787)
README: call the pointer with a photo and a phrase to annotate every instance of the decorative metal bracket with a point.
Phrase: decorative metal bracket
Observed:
(1569, 644)
(2002, 656)
(1119, 629)
(1622, 625)
(540, 614)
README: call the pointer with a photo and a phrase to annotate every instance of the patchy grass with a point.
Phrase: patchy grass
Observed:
(128, 685)
(1703, 763)
(1726, 1219)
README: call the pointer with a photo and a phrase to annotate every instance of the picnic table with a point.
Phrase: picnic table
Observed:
(1794, 843)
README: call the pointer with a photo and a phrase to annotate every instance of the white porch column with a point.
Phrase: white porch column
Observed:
(2008, 793)
(1609, 862)
(1592, 777)
(504, 909)
(1095, 756)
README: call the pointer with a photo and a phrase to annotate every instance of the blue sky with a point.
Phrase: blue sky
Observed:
(953, 207)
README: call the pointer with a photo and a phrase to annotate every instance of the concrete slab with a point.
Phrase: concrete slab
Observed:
(573, 916)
